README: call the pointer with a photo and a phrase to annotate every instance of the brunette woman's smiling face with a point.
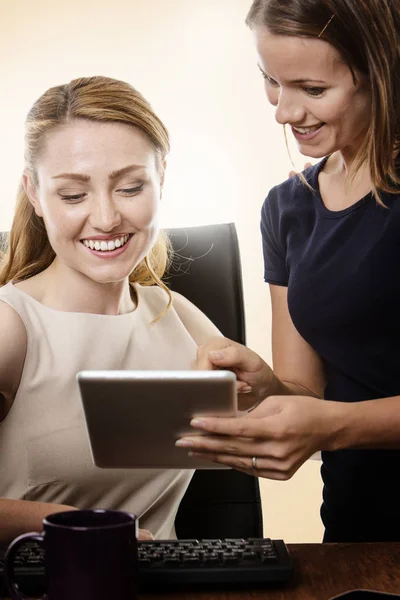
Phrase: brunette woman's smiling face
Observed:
(314, 92)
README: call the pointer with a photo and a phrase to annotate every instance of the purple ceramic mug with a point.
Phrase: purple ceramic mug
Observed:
(89, 555)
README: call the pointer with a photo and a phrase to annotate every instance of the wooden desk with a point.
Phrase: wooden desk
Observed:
(320, 571)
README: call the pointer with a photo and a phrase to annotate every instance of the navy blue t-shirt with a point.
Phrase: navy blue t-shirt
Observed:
(342, 270)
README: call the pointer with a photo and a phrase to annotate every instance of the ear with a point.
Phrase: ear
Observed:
(162, 176)
(31, 192)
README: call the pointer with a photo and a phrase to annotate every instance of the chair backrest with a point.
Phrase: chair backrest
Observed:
(206, 270)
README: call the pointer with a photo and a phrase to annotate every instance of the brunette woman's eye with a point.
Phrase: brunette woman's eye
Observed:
(314, 91)
(268, 78)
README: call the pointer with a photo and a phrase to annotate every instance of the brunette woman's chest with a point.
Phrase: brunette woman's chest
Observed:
(338, 194)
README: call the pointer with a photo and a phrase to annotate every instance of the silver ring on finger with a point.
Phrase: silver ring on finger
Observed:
(254, 463)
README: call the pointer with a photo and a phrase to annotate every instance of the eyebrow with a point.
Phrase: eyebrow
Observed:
(296, 81)
(112, 175)
(307, 81)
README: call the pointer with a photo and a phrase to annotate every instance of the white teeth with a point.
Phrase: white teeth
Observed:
(104, 246)
(307, 129)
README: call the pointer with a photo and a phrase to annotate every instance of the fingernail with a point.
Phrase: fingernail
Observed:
(198, 423)
(184, 443)
(216, 355)
(245, 390)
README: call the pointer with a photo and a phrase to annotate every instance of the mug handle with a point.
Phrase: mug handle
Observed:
(9, 557)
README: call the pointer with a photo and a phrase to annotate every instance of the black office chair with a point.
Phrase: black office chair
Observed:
(206, 269)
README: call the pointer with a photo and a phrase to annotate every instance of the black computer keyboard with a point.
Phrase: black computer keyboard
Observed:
(168, 564)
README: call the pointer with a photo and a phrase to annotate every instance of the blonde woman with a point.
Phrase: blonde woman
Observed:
(81, 289)
(331, 243)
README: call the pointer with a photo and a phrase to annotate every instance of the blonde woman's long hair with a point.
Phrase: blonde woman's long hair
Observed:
(95, 99)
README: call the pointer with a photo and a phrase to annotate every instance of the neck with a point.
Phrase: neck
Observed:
(71, 291)
(339, 167)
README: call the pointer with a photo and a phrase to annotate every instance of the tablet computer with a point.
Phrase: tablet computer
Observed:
(134, 418)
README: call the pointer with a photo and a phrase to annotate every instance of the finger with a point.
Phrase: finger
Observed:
(292, 173)
(236, 357)
(243, 388)
(233, 426)
(203, 361)
(145, 534)
(221, 445)
(239, 463)
(202, 364)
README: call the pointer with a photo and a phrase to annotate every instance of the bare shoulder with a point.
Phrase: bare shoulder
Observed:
(13, 342)
(196, 322)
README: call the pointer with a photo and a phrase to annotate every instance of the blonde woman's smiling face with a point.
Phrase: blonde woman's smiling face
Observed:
(314, 93)
(99, 186)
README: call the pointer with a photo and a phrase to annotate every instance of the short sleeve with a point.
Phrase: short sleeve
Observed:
(275, 270)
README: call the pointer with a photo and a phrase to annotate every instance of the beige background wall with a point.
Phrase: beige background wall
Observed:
(194, 60)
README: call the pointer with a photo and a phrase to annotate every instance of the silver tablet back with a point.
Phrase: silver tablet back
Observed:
(133, 418)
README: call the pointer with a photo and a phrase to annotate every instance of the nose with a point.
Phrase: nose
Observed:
(289, 109)
(104, 215)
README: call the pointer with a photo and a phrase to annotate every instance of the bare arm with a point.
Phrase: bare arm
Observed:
(16, 516)
(292, 423)
(12, 356)
(22, 516)
(369, 424)
(297, 367)
(298, 370)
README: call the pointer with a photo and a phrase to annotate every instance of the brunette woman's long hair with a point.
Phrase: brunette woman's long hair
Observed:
(367, 35)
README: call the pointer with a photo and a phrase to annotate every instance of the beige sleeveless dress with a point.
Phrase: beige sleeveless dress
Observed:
(44, 451)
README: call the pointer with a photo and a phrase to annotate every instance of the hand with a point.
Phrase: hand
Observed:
(282, 433)
(306, 165)
(255, 377)
(145, 534)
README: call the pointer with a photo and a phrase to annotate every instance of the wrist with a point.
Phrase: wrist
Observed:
(339, 425)
(270, 386)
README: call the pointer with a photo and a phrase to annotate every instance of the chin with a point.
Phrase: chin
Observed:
(108, 278)
(310, 152)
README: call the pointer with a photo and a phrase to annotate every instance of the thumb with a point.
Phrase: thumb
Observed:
(145, 534)
(235, 357)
